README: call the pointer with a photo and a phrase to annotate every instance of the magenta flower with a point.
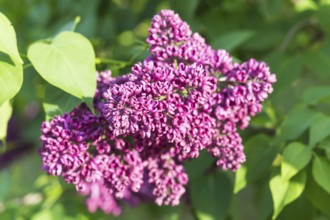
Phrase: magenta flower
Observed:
(183, 98)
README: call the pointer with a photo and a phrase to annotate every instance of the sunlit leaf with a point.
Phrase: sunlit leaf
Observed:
(284, 192)
(8, 42)
(11, 77)
(304, 5)
(240, 179)
(295, 157)
(43, 214)
(68, 63)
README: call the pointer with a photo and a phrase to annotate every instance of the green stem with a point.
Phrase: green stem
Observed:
(119, 63)
(99, 60)
(27, 65)
(141, 43)
(293, 31)
(75, 23)
(23, 55)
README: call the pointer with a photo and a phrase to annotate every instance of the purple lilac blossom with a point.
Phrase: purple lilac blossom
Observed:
(100, 197)
(183, 98)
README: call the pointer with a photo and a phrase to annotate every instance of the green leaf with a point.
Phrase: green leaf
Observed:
(315, 94)
(301, 208)
(317, 196)
(327, 151)
(68, 63)
(5, 113)
(8, 42)
(284, 192)
(259, 158)
(5, 180)
(185, 8)
(287, 69)
(196, 168)
(318, 60)
(295, 157)
(57, 212)
(211, 196)
(171, 212)
(319, 130)
(323, 18)
(265, 38)
(296, 122)
(142, 211)
(321, 172)
(240, 179)
(56, 102)
(305, 5)
(232, 40)
(11, 77)
(43, 214)
(264, 202)
(53, 192)
(325, 2)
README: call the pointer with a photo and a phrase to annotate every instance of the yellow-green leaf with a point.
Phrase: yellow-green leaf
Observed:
(8, 42)
(11, 77)
(68, 63)
(5, 113)
(295, 157)
(284, 192)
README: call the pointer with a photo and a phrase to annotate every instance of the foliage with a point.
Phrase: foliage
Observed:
(287, 172)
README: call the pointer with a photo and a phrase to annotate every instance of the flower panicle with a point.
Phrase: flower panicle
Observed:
(185, 97)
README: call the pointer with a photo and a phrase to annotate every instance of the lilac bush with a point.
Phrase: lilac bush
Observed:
(185, 97)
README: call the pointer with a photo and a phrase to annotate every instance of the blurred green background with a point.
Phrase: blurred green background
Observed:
(292, 36)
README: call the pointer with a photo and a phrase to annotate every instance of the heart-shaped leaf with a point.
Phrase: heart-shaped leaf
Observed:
(295, 157)
(284, 192)
(56, 102)
(232, 40)
(296, 122)
(318, 197)
(11, 77)
(321, 172)
(68, 63)
(319, 130)
(8, 42)
(313, 95)
(259, 156)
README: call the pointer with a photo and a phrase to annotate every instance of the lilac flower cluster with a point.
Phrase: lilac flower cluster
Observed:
(183, 98)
